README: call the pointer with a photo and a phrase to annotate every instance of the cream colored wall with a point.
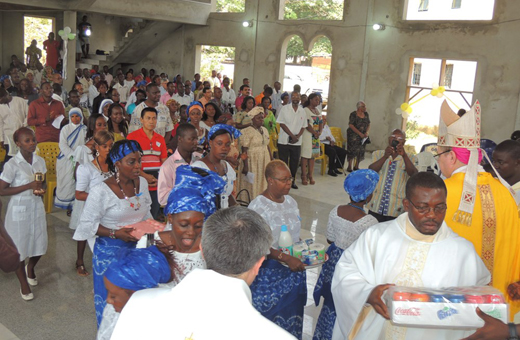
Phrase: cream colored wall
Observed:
(385, 55)
(105, 33)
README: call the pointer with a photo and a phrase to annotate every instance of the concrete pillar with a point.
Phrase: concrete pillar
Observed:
(69, 20)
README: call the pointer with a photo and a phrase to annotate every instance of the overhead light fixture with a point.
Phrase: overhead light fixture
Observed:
(378, 27)
(248, 23)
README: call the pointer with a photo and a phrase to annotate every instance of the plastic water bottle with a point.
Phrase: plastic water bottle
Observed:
(285, 243)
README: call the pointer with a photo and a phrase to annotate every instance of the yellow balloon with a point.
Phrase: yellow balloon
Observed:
(434, 92)
(404, 106)
(442, 89)
(409, 110)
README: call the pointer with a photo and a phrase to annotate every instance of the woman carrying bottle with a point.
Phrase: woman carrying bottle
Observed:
(280, 292)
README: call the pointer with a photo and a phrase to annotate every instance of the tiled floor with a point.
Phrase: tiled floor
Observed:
(63, 307)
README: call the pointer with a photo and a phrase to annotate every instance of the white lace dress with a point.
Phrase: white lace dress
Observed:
(343, 232)
(186, 262)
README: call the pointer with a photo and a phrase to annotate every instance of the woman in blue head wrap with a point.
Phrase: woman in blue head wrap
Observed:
(121, 200)
(191, 201)
(72, 136)
(133, 270)
(220, 137)
(346, 223)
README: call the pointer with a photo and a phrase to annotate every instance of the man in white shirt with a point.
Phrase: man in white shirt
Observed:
(181, 97)
(108, 76)
(212, 304)
(85, 81)
(122, 89)
(13, 115)
(276, 97)
(293, 121)
(187, 89)
(336, 154)
(215, 82)
(228, 94)
(506, 160)
(164, 121)
(417, 249)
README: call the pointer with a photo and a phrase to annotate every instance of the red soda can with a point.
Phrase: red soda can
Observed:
(402, 296)
(475, 299)
(493, 298)
(420, 297)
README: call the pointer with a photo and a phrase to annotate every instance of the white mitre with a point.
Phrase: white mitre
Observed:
(464, 132)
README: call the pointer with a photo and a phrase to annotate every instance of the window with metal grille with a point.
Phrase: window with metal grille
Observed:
(456, 4)
(416, 77)
(448, 75)
(423, 6)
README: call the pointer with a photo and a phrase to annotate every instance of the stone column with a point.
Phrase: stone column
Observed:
(69, 20)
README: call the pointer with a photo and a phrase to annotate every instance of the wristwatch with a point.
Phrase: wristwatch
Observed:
(513, 334)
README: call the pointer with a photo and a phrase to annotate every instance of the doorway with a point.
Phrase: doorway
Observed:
(37, 28)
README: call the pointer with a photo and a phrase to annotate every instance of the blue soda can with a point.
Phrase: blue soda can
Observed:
(436, 298)
(456, 298)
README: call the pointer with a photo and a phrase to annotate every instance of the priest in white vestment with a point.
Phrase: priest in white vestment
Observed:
(417, 249)
(212, 304)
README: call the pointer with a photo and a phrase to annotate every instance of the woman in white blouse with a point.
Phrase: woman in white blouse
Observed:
(280, 293)
(89, 175)
(121, 200)
(346, 223)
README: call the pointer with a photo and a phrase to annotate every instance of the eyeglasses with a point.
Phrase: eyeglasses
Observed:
(284, 180)
(439, 209)
(437, 155)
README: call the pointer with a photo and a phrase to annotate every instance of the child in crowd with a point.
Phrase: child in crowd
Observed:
(71, 137)
(22, 178)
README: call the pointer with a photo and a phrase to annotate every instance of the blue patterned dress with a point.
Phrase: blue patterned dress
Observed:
(343, 233)
(280, 295)
(104, 208)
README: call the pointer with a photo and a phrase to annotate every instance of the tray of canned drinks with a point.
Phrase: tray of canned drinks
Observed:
(310, 253)
(453, 307)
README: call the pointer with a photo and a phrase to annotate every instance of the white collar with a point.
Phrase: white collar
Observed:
(465, 167)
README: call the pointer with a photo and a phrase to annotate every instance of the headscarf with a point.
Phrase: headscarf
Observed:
(103, 103)
(139, 268)
(77, 111)
(195, 190)
(95, 76)
(285, 94)
(232, 131)
(4, 77)
(122, 150)
(360, 184)
(73, 137)
(194, 105)
(255, 112)
(172, 101)
(141, 83)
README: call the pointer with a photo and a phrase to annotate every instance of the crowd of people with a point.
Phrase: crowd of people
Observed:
(153, 172)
